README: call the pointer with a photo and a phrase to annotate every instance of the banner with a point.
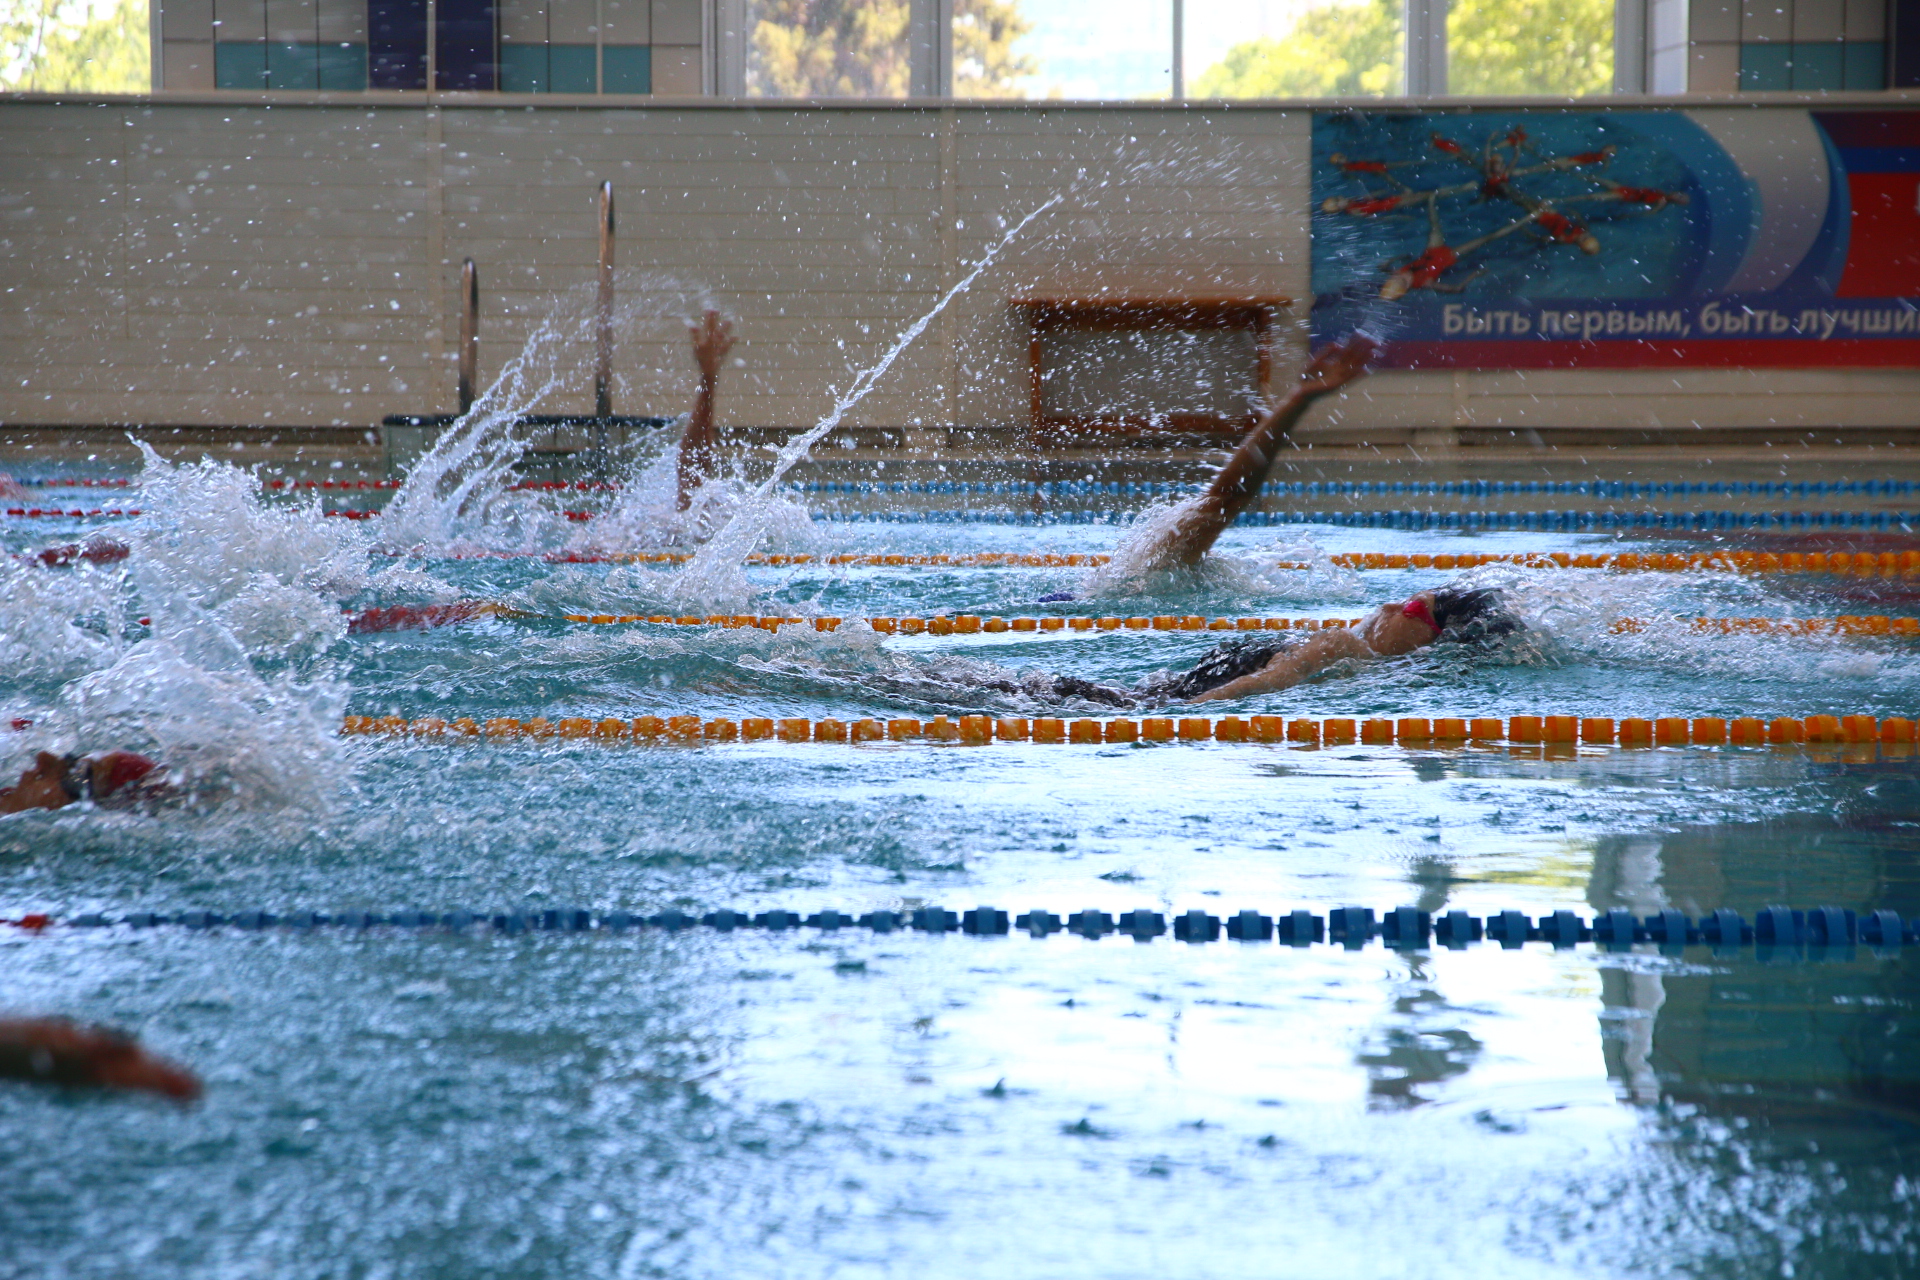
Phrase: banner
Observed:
(1710, 237)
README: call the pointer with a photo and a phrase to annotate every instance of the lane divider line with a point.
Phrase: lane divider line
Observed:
(1856, 563)
(1897, 734)
(1411, 521)
(970, 624)
(1471, 521)
(1785, 932)
(1178, 488)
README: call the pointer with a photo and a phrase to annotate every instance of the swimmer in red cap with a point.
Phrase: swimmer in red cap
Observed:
(55, 1051)
(95, 550)
(113, 779)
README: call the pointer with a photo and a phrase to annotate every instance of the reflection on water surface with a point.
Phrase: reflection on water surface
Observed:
(848, 1104)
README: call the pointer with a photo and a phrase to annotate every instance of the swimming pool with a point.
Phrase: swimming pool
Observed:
(419, 1102)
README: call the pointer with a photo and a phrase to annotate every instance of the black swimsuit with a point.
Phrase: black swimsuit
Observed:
(1222, 664)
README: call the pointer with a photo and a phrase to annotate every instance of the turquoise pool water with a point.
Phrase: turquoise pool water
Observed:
(422, 1103)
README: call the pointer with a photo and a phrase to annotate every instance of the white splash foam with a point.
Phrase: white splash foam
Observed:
(714, 574)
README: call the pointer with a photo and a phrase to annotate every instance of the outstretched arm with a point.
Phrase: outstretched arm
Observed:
(1238, 483)
(712, 339)
(1293, 666)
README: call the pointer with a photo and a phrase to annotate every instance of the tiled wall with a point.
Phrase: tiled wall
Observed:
(520, 46)
(1756, 45)
(196, 261)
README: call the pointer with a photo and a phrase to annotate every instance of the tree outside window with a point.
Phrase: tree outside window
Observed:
(64, 46)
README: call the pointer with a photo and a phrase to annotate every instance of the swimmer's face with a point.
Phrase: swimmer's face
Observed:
(1388, 630)
(1396, 286)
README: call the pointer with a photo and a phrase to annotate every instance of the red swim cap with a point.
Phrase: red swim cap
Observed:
(1419, 608)
(117, 769)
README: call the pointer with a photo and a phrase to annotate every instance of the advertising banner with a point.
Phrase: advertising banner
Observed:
(1706, 237)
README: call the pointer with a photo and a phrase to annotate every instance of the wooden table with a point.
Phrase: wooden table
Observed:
(1114, 312)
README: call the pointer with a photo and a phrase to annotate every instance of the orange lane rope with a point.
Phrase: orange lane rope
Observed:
(970, 624)
(1897, 733)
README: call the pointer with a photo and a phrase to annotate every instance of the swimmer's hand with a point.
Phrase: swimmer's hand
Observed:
(712, 339)
(1337, 365)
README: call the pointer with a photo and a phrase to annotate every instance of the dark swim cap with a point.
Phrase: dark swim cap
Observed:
(1472, 613)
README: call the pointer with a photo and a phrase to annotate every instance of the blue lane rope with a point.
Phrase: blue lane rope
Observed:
(1781, 929)
(1461, 521)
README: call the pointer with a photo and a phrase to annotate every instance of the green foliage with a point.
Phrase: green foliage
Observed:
(55, 46)
(858, 49)
(1530, 46)
(984, 63)
(1493, 47)
(829, 49)
(1337, 50)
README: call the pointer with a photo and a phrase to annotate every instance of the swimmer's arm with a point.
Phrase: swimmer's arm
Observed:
(1296, 664)
(712, 339)
(1237, 484)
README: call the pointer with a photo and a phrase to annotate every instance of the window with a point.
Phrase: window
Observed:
(827, 49)
(1283, 49)
(1559, 47)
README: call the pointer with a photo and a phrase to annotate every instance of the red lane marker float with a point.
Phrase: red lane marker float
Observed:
(334, 484)
(75, 513)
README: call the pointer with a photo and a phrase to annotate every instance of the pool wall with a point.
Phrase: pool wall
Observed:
(292, 259)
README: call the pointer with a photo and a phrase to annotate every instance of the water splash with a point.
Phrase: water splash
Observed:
(646, 513)
(456, 496)
(459, 496)
(56, 625)
(272, 575)
(714, 572)
(231, 586)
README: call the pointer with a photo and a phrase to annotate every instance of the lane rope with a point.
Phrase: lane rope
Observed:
(1783, 932)
(1853, 563)
(1178, 488)
(1409, 521)
(970, 624)
(1895, 735)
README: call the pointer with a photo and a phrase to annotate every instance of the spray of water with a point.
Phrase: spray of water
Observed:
(229, 685)
(714, 572)
(459, 495)
(456, 492)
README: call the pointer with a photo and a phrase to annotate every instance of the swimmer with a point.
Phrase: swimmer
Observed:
(1243, 667)
(114, 779)
(425, 617)
(55, 1051)
(712, 339)
(98, 549)
(1237, 484)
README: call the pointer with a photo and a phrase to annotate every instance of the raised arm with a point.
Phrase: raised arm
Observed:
(1237, 484)
(712, 339)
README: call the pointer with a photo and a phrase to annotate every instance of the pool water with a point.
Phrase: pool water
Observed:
(424, 1103)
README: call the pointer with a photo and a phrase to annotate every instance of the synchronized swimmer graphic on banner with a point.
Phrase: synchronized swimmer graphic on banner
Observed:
(1656, 238)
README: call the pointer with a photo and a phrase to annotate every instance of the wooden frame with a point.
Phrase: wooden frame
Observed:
(1136, 312)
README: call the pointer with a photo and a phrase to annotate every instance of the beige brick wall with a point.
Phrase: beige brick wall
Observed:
(216, 261)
